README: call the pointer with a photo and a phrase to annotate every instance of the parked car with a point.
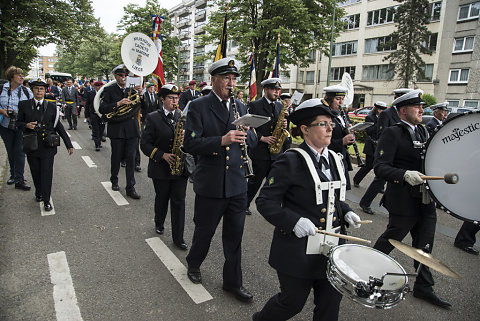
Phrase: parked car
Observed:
(453, 111)
(427, 115)
(360, 112)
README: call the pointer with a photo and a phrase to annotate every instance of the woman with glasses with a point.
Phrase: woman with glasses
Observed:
(157, 142)
(288, 201)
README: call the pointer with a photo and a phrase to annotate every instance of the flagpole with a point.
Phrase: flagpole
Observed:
(331, 44)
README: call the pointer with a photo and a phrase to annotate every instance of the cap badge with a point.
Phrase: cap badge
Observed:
(231, 63)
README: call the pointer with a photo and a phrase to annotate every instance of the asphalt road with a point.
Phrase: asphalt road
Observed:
(116, 275)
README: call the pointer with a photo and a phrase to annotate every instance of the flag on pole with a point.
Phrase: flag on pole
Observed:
(222, 46)
(158, 75)
(276, 64)
(252, 85)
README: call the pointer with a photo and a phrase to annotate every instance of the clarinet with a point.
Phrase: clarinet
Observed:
(360, 161)
(243, 146)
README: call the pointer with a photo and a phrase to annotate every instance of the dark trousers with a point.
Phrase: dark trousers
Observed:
(422, 229)
(137, 155)
(42, 174)
(123, 148)
(208, 213)
(173, 190)
(364, 170)
(372, 191)
(98, 128)
(71, 114)
(294, 293)
(466, 234)
(16, 157)
(261, 168)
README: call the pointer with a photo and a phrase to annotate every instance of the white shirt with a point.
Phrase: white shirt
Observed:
(38, 102)
(228, 100)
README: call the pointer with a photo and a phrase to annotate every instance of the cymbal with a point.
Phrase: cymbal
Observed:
(424, 258)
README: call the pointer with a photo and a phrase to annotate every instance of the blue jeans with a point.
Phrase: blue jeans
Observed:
(16, 157)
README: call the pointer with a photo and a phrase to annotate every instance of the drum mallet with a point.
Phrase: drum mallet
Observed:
(449, 178)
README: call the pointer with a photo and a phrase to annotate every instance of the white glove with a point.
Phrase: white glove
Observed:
(304, 227)
(352, 219)
(413, 178)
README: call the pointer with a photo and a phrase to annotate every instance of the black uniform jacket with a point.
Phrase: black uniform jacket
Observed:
(27, 113)
(336, 143)
(387, 118)
(371, 137)
(219, 172)
(261, 107)
(148, 105)
(128, 128)
(157, 139)
(186, 96)
(432, 124)
(394, 156)
(89, 99)
(288, 195)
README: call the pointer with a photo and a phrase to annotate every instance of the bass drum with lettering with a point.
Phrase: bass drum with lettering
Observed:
(455, 148)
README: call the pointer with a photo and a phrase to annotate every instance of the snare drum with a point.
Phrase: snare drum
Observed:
(354, 270)
(455, 148)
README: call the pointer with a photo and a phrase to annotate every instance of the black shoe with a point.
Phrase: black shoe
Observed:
(22, 185)
(133, 194)
(366, 209)
(182, 246)
(39, 198)
(70, 128)
(47, 206)
(382, 191)
(468, 249)
(356, 184)
(97, 149)
(138, 168)
(248, 212)
(194, 275)
(240, 293)
(255, 316)
(11, 181)
(159, 230)
(431, 297)
(123, 164)
(115, 187)
(74, 128)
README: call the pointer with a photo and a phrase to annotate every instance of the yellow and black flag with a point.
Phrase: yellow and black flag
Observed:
(222, 46)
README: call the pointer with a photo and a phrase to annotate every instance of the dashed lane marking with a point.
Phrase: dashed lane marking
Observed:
(68, 134)
(76, 145)
(89, 161)
(66, 306)
(45, 213)
(196, 291)
(117, 197)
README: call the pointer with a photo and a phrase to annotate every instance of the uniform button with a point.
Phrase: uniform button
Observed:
(323, 210)
(227, 148)
(241, 166)
(215, 153)
(319, 228)
(226, 167)
(228, 157)
(334, 209)
(334, 218)
(322, 220)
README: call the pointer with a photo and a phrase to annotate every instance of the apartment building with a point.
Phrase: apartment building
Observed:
(42, 65)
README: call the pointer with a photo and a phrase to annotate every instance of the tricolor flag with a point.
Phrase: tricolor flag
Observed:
(276, 65)
(158, 74)
(222, 46)
(252, 85)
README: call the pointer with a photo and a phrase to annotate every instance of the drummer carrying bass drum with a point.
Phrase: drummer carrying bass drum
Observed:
(289, 200)
(398, 161)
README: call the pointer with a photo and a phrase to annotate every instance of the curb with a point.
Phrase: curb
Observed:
(3, 165)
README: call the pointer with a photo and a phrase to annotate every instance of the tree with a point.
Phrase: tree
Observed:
(139, 19)
(303, 25)
(411, 39)
(429, 100)
(29, 24)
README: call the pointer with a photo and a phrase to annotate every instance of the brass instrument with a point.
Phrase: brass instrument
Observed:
(125, 111)
(177, 168)
(279, 132)
(243, 146)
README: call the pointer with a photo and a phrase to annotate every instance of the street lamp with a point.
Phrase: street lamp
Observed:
(331, 44)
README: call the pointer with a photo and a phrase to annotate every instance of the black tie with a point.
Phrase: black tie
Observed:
(273, 108)
(39, 105)
(417, 134)
(324, 162)
(152, 98)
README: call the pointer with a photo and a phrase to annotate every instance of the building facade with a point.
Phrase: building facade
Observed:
(41, 66)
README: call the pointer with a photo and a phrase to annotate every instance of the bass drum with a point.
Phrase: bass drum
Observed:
(98, 97)
(455, 148)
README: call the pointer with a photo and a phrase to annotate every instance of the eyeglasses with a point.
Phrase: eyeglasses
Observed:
(172, 97)
(227, 78)
(323, 124)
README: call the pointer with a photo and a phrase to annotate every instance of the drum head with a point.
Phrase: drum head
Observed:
(455, 148)
(359, 262)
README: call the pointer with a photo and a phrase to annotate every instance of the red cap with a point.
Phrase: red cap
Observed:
(192, 82)
(98, 83)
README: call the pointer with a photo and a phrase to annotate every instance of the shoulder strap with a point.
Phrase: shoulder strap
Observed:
(313, 173)
(341, 172)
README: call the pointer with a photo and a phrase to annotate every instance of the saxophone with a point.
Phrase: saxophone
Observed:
(279, 132)
(177, 168)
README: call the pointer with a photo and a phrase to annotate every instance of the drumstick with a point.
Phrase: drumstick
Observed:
(365, 222)
(346, 237)
(450, 178)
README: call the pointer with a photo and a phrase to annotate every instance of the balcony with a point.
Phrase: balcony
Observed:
(184, 23)
(184, 47)
(200, 3)
(183, 12)
(200, 15)
(197, 53)
(198, 69)
(198, 29)
(184, 35)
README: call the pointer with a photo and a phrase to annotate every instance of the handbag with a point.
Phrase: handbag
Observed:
(30, 142)
(52, 140)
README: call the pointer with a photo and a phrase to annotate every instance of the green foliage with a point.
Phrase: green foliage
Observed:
(411, 18)
(429, 99)
(303, 25)
(29, 24)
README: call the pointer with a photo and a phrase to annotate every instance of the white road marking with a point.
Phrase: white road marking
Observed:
(45, 213)
(68, 134)
(196, 291)
(89, 161)
(117, 197)
(66, 306)
(76, 145)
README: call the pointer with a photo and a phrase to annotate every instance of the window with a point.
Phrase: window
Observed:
(432, 42)
(352, 22)
(300, 76)
(471, 103)
(453, 103)
(285, 79)
(427, 73)
(312, 55)
(435, 10)
(379, 44)
(459, 76)
(378, 72)
(345, 48)
(469, 11)
(347, 2)
(381, 16)
(310, 79)
(464, 44)
(337, 72)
